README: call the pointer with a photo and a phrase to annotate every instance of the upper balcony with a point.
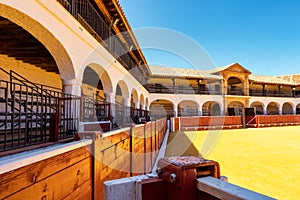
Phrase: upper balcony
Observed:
(106, 22)
(181, 89)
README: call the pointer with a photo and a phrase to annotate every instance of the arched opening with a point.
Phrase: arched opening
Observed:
(235, 86)
(26, 56)
(33, 60)
(273, 108)
(120, 108)
(298, 109)
(235, 108)
(211, 108)
(134, 115)
(187, 108)
(161, 108)
(287, 109)
(258, 107)
(95, 85)
(37, 33)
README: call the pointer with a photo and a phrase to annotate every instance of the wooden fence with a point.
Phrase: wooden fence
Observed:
(80, 171)
(205, 122)
(273, 120)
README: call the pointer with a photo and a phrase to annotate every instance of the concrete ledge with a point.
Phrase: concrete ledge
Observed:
(15, 161)
(227, 191)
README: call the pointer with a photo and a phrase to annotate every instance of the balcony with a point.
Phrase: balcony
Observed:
(182, 89)
(273, 93)
(90, 17)
(236, 91)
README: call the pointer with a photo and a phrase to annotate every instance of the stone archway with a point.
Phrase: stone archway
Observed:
(188, 108)
(235, 108)
(46, 37)
(259, 107)
(161, 108)
(298, 109)
(287, 109)
(273, 108)
(235, 86)
(211, 108)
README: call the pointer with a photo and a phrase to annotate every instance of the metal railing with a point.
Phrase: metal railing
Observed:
(86, 12)
(236, 91)
(188, 89)
(272, 93)
(29, 114)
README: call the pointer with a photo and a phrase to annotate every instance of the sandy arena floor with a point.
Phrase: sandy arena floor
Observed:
(266, 160)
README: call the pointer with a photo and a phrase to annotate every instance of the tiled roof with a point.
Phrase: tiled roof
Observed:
(181, 72)
(162, 71)
(270, 79)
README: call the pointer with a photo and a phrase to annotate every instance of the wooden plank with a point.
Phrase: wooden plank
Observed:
(14, 181)
(61, 184)
(97, 165)
(81, 193)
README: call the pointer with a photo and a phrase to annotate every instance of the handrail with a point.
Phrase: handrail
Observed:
(223, 190)
(35, 84)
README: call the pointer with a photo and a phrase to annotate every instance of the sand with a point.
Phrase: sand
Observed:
(266, 160)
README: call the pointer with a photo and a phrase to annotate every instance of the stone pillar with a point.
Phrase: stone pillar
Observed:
(265, 110)
(127, 104)
(175, 111)
(224, 85)
(246, 85)
(264, 90)
(110, 98)
(72, 86)
(174, 85)
(280, 111)
(199, 110)
(294, 110)
(72, 107)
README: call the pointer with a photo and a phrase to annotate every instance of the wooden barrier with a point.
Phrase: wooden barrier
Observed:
(126, 152)
(44, 179)
(79, 171)
(274, 120)
(209, 122)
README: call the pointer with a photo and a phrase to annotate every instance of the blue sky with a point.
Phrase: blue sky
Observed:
(261, 35)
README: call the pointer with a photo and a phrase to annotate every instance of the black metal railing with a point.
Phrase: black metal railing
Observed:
(169, 89)
(236, 91)
(90, 17)
(272, 93)
(31, 114)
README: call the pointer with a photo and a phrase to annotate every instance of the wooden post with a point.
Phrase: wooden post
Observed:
(96, 167)
(130, 148)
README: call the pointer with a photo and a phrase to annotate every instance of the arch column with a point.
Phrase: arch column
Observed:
(265, 110)
(72, 87)
(294, 110)
(199, 110)
(127, 105)
(110, 98)
(280, 110)
(175, 111)
(222, 111)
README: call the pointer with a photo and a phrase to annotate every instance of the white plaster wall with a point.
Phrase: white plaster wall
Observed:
(72, 47)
